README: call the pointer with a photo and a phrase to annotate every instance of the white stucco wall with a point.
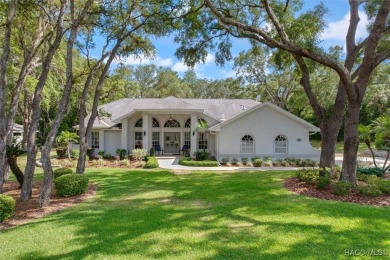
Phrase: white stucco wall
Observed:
(264, 124)
(112, 141)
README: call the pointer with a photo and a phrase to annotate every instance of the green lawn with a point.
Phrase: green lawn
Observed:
(155, 214)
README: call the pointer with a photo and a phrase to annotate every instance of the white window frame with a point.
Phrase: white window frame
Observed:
(206, 141)
(247, 145)
(95, 140)
(138, 140)
(155, 138)
(280, 146)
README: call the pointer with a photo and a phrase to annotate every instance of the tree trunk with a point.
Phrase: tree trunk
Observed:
(13, 164)
(83, 154)
(36, 106)
(351, 143)
(44, 198)
(6, 172)
(328, 149)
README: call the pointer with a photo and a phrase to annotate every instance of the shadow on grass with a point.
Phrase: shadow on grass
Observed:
(140, 214)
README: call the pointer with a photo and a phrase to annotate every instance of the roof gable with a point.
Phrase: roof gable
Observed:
(310, 126)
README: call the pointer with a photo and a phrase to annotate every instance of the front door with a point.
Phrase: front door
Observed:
(171, 142)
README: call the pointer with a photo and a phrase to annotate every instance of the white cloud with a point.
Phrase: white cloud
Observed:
(338, 30)
(143, 60)
(180, 67)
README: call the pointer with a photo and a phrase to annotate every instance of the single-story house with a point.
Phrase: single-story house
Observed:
(237, 128)
(17, 132)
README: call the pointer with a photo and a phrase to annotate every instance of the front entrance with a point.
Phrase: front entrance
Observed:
(172, 142)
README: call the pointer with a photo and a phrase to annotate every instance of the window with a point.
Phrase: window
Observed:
(280, 144)
(203, 143)
(155, 138)
(187, 139)
(247, 144)
(188, 123)
(137, 140)
(155, 123)
(139, 123)
(95, 139)
(172, 123)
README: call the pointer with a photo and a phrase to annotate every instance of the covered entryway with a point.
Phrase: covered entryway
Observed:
(172, 142)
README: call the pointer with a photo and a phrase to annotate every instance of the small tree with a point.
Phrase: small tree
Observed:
(202, 127)
(380, 130)
(12, 152)
(66, 137)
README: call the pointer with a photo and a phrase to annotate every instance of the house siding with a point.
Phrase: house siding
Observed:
(264, 125)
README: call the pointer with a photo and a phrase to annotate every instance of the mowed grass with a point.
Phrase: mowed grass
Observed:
(339, 146)
(202, 215)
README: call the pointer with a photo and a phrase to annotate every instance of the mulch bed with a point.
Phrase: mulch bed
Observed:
(302, 188)
(30, 210)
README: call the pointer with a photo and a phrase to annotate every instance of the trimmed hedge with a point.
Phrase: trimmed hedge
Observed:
(151, 162)
(186, 161)
(7, 207)
(71, 184)
(62, 171)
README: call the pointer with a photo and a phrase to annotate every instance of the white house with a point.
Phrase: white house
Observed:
(237, 128)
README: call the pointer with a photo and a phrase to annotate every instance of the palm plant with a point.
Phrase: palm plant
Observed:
(365, 135)
(65, 137)
(202, 127)
(12, 152)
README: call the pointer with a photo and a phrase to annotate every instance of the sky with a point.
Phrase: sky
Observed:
(334, 34)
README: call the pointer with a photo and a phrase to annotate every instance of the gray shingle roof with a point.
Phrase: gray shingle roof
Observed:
(219, 109)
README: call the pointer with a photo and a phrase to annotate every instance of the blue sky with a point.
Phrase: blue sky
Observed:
(334, 34)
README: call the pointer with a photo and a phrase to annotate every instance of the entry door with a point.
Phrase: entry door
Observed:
(171, 142)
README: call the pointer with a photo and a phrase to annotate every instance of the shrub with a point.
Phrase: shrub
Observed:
(307, 175)
(151, 162)
(71, 184)
(124, 162)
(188, 162)
(7, 207)
(91, 152)
(323, 182)
(61, 152)
(234, 161)
(224, 161)
(370, 171)
(370, 191)
(255, 158)
(75, 153)
(139, 154)
(107, 156)
(257, 162)
(249, 164)
(383, 186)
(239, 164)
(202, 155)
(267, 163)
(152, 151)
(62, 171)
(101, 153)
(122, 153)
(342, 188)
(244, 161)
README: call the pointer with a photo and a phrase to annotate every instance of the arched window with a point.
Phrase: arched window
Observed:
(188, 123)
(247, 144)
(155, 123)
(138, 123)
(280, 144)
(172, 123)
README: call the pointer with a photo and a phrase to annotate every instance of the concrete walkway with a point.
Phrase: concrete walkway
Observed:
(172, 163)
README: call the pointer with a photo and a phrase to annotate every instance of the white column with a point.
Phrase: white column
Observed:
(125, 134)
(194, 134)
(145, 131)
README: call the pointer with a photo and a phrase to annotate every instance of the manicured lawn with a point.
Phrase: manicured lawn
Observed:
(155, 214)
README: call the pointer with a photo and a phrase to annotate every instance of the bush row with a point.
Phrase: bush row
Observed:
(267, 162)
(369, 185)
(187, 161)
